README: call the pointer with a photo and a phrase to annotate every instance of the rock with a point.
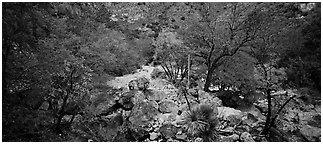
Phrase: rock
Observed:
(231, 138)
(172, 140)
(225, 112)
(211, 98)
(142, 113)
(246, 137)
(139, 133)
(184, 106)
(106, 108)
(138, 97)
(198, 139)
(141, 118)
(127, 101)
(242, 128)
(157, 73)
(228, 130)
(167, 106)
(125, 114)
(139, 84)
(249, 119)
(179, 132)
(311, 133)
(193, 92)
(168, 131)
(155, 95)
(316, 121)
(167, 118)
(44, 106)
(181, 136)
(153, 136)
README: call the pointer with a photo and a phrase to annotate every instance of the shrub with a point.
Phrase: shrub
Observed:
(201, 122)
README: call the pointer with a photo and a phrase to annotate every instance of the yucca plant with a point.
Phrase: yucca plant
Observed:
(201, 122)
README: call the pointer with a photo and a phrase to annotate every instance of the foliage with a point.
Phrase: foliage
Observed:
(172, 55)
(64, 53)
(303, 62)
(201, 122)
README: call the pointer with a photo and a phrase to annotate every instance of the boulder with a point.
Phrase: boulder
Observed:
(249, 119)
(142, 117)
(209, 99)
(168, 131)
(143, 113)
(225, 112)
(198, 139)
(193, 92)
(167, 106)
(153, 136)
(127, 100)
(246, 137)
(311, 133)
(167, 117)
(139, 133)
(138, 97)
(106, 107)
(141, 84)
(44, 106)
(157, 73)
(231, 138)
(155, 95)
(182, 136)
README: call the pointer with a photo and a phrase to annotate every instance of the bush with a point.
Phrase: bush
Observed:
(201, 122)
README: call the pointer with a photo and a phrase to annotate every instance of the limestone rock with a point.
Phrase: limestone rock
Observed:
(198, 139)
(167, 106)
(225, 112)
(231, 138)
(139, 84)
(155, 95)
(246, 137)
(44, 106)
(153, 136)
(127, 102)
(182, 136)
(310, 132)
(193, 92)
(141, 118)
(168, 131)
(167, 117)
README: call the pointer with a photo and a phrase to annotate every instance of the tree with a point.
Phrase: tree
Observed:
(303, 62)
(220, 31)
(279, 33)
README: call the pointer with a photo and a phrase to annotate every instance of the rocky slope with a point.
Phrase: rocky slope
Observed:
(158, 112)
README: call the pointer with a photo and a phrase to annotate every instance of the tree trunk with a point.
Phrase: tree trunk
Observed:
(280, 109)
(268, 117)
(208, 79)
(61, 112)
